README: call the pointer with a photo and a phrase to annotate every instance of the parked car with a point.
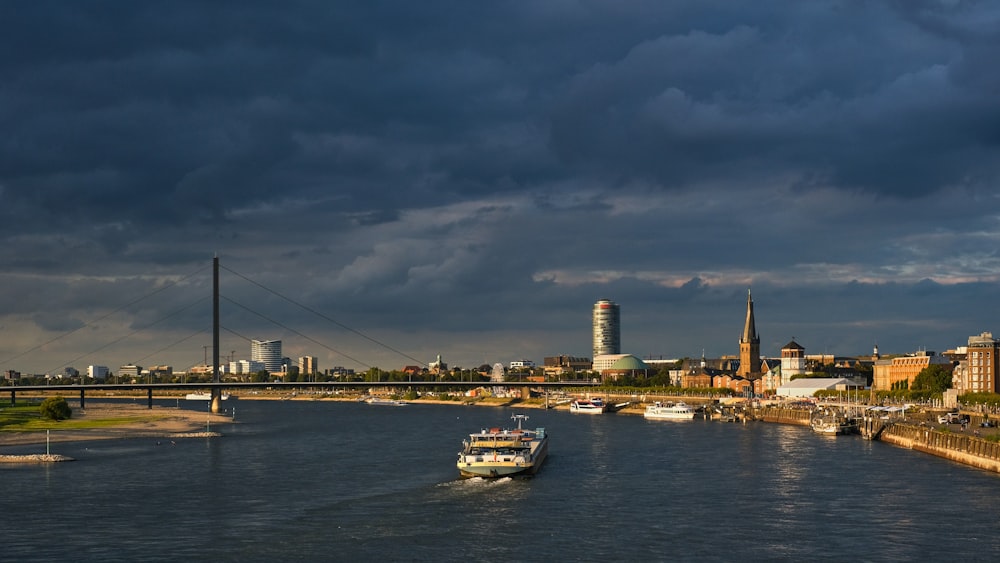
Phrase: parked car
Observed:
(957, 418)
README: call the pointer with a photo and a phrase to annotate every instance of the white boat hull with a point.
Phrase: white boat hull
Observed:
(669, 412)
(669, 415)
(487, 466)
(203, 397)
(588, 407)
(834, 429)
(387, 402)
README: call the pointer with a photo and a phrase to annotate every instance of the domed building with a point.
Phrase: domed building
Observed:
(627, 365)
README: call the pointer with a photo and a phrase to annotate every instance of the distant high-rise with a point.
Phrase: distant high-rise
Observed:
(308, 365)
(267, 352)
(607, 328)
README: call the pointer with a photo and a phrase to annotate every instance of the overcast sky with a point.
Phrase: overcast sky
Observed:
(468, 178)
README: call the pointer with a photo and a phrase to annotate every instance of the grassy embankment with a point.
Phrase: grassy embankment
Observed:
(26, 417)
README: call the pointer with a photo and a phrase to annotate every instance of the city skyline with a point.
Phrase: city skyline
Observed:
(605, 331)
(468, 182)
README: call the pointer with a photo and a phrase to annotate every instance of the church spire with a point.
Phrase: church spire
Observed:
(749, 344)
(750, 327)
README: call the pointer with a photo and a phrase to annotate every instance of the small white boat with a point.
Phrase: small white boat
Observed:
(669, 411)
(386, 402)
(588, 406)
(204, 397)
(834, 428)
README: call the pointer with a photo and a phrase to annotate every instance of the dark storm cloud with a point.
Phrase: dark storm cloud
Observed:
(854, 95)
(483, 164)
(180, 110)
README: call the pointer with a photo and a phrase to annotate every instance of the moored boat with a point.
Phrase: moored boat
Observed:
(831, 422)
(503, 453)
(386, 402)
(204, 397)
(669, 411)
(588, 406)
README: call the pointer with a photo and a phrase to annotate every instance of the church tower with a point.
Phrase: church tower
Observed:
(749, 344)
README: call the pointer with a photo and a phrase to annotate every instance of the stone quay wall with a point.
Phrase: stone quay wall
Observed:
(963, 448)
(780, 415)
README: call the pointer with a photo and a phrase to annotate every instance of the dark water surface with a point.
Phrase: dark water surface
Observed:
(329, 481)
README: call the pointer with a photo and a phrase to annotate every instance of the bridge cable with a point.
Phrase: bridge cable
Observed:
(313, 340)
(136, 331)
(193, 334)
(327, 318)
(95, 321)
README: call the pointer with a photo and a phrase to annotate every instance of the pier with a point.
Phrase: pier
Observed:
(872, 427)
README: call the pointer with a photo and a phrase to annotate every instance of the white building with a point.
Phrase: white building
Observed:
(438, 365)
(520, 364)
(245, 367)
(497, 374)
(97, 372)
(807, 387)
(267, 352)
(793, 361)
(605, 361)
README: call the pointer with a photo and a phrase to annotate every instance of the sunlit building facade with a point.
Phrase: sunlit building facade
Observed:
(899, 372)
(981, 364)
(607, 328)
(308, 365)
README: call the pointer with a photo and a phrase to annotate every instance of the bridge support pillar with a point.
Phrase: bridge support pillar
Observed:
(12, 398)
(149, 397)
(83, 403)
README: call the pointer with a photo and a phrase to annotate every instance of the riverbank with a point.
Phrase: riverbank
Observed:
(113, 421)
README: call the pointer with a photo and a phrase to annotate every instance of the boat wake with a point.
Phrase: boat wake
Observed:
(476, 483)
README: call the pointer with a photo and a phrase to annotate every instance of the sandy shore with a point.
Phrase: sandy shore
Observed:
(158, 422)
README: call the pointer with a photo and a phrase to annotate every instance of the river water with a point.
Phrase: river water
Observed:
(335, 481)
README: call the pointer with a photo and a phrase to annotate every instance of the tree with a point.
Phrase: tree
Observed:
(934, 378)
(55, 408)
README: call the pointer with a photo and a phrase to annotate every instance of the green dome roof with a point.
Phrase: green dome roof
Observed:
(629, 363)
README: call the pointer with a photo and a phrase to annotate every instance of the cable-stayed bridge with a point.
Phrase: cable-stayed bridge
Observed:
(216, 385)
